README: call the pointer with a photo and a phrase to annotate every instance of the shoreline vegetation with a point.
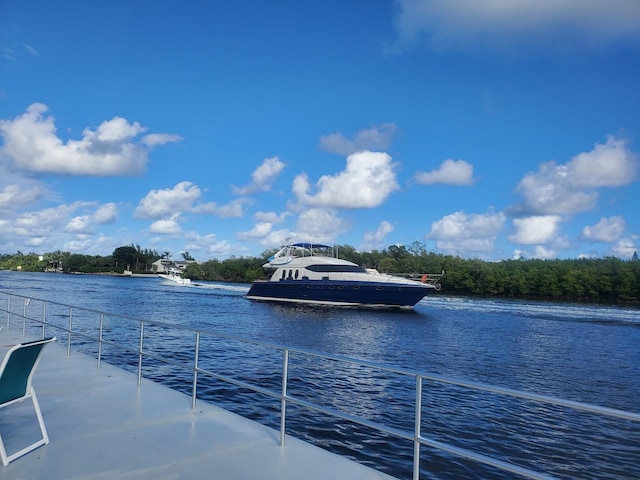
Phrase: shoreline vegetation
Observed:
(607, 280)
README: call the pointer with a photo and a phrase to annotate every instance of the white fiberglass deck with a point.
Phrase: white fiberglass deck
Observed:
(102, 425)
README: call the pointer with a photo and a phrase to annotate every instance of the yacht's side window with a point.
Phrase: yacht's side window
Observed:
(284, 273)
(296, 274)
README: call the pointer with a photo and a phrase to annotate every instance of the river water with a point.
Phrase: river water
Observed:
(584, 353)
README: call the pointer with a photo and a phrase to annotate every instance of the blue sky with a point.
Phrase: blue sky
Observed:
(482, 129)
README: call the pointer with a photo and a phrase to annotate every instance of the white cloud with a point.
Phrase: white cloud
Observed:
(608, 165)
(459, 233)
(184, 197)
(625, 247)
(495, 25)
(61, 225)
(451, 172)
(169, 201)
(80, 224)
(606, 230)
(270, 217)
(233, 209)
(570, 188)
(375, 240)
(376, 138)
(277, 238)
(366, 182)
(259, 231)
(319, 225)
(30, 141)
(210, 246)
(262, 177)
(106, 214)
(154, 139)
(166, 225)
(535, 230)
(544, 253)
(14, 196)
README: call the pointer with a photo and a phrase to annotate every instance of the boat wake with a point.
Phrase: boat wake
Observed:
(221, 286)
(579, 312)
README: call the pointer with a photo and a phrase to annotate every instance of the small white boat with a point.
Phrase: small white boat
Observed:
(298, 273)
(175, 276)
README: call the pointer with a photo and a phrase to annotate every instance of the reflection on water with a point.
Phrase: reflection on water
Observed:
(585, 353)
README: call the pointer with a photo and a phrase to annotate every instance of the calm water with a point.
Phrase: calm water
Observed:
(583, 353)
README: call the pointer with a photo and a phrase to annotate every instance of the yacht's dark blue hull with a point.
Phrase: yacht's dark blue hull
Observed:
(331, 292)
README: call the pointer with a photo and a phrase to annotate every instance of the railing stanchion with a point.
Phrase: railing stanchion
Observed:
(44, 318)
(8, 311)
(140, 353)
(416, 432)
(101, 338)
(194, 392)
(69, 330)
(24, 316)
(283, 401)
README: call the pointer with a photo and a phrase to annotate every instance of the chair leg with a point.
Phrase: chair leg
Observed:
(43, 429)
(3, 453)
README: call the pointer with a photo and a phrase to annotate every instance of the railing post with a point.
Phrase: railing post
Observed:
(101, 338)
(140, 353)
(44, 317)
(69, 330)
(8, 311)
(416, 429)
(194, 392)
(283, 397)
(24, 316)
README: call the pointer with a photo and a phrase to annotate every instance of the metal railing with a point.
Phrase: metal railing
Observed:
(19, 307)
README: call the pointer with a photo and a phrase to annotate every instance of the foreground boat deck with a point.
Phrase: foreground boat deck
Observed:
(101, 425)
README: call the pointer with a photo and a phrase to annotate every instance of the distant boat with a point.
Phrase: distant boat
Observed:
(175, 276)
(301, 273)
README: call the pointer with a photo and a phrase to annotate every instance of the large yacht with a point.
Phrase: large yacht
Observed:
(312, 273)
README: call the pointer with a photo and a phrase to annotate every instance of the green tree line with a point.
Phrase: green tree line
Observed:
(131, 257)
(604, 280)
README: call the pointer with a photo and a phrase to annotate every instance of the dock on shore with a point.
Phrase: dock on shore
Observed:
(102, 425)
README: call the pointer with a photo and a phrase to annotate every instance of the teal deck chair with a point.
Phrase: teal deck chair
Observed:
(16, 373)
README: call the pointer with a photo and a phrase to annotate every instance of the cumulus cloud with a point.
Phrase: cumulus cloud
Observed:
(106, 214)
(166, 225)
(54, 224)
(166, 204)
(262, 177)
(270, 217)
(259, 231)
(625, 247)
(606, 230)
(31, 143)
(368, 179)
(80, 224)
(375, 240)
(459, 233)
(374, 138)
(319, 225)
(535, 230)
(14, 196)
(451, 172)
(169, 201)
(210, 245)
(472, 25)
(570, 188)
